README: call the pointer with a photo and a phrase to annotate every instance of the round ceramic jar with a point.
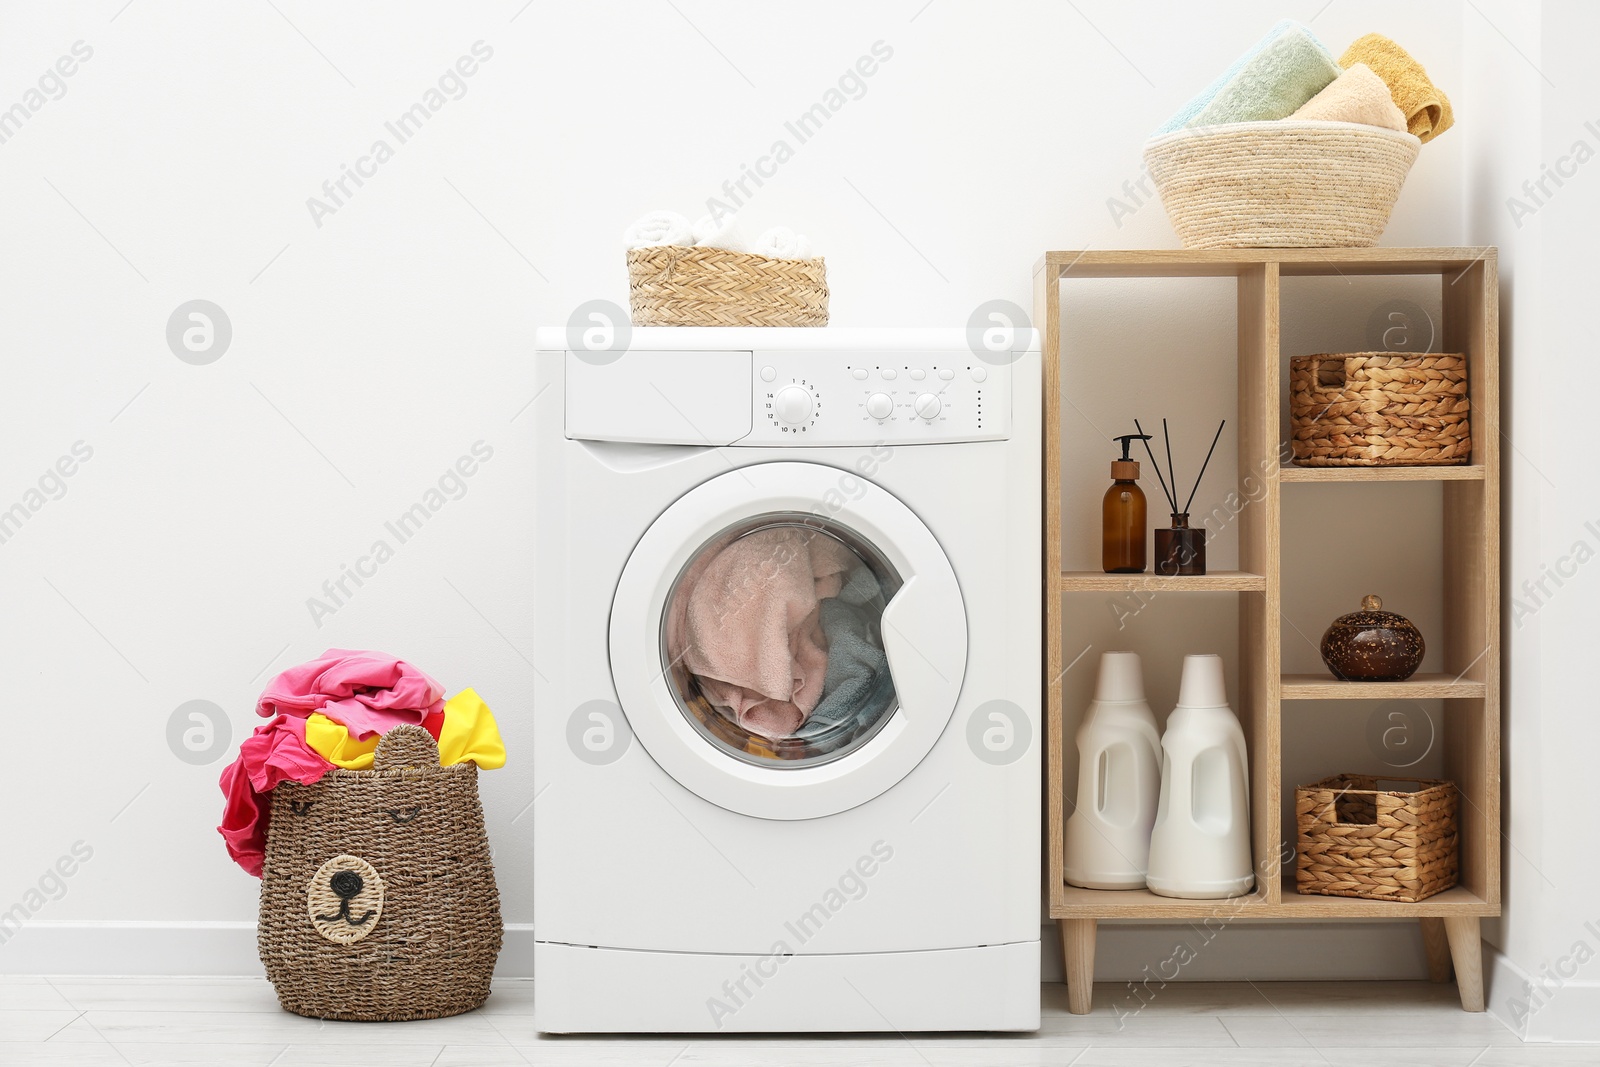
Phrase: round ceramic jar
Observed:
(1372, 645)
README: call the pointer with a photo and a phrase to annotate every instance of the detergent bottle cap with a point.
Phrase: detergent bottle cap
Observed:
(1121, 678)
(1202, 685)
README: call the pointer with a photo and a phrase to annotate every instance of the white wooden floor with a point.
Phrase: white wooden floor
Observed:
(236, 1022)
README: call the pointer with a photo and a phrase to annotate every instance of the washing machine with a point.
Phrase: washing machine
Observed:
(788, 685)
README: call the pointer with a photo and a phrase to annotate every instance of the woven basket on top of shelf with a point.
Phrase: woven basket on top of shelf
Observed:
(1380, 409)
(378, 898)
(1284, 184)
(677, 285)
(1366, 836)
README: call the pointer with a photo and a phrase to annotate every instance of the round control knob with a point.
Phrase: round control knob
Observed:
(880, 406)
(792, 405)
(928, 406)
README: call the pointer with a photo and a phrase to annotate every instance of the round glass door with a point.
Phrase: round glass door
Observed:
(773, 640)
(785, 650)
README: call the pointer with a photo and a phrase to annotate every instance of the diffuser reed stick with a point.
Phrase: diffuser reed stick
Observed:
(1203, 467)
(1165, 491)
(1172, 475)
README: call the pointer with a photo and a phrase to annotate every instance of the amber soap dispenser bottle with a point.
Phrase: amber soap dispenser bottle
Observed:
(1122, 515)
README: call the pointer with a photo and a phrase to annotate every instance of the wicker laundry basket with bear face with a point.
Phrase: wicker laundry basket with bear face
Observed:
(378, 899)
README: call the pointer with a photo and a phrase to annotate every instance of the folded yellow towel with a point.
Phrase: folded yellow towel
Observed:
(1426, 108)
(1357, 95)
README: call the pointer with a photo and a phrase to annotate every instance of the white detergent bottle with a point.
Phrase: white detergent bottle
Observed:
(1200, 847)
(1119, 776)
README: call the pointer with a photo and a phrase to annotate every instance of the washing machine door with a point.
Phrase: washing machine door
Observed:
(788, 640)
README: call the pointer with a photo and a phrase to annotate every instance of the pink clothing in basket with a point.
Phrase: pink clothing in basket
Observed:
(276, 752)
(365, 692)
(744, 620)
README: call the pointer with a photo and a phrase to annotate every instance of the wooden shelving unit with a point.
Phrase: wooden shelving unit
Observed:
(1417, 687)
(1470, 683)
(1471, 473)
(1216, 582)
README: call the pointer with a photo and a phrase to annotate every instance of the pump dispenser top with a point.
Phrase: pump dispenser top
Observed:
(1126, 469)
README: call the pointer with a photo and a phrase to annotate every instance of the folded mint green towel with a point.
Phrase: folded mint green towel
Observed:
(1273, 80)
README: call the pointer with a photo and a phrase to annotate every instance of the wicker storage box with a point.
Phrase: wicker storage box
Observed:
(378, 899)
(674, 285)
(1360, 839)
(1284, 184)
(1379, 409)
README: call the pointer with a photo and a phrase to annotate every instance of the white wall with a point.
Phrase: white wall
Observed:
(370, 351)
(1534, 62)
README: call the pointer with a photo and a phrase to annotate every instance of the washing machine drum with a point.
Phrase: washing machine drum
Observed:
(788, 640)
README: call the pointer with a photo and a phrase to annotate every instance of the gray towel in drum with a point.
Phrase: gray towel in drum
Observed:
(857, 667)
(860, 588)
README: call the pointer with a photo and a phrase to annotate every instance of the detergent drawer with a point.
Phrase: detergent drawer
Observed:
(668, 398)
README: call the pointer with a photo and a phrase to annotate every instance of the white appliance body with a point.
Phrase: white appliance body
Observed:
(681, 887)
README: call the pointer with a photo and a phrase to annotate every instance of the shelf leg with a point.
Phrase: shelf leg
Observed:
(1466, 950)
(1437, 945)
(1077, 956)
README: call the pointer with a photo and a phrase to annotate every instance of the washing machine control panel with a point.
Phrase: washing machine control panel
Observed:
(854, 398)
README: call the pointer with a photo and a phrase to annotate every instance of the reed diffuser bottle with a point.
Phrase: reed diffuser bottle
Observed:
(1122, 515)
(1180, 548)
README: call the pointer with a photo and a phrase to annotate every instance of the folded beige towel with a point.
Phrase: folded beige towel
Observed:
(1357, 95)
(1426, 108)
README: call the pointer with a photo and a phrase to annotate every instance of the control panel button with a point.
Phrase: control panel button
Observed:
(980, 374)
(928, 406)
(880, 406)
(889, 373)
(859, 374)
(793, 405)
(945, 373)
(768, 373)
(918, 374)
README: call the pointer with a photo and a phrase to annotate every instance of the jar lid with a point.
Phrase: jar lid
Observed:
(1372, 614)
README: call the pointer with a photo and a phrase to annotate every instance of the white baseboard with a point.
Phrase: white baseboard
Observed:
(47, 946)
(1261, 951)
(1544, 1008)
(1506, 991)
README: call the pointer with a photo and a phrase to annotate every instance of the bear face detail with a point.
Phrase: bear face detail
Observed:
(345, 899)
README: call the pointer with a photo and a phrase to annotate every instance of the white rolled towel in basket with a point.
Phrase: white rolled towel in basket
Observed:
(725, 233)
(658, 228)
(671, 228)
(780, 242)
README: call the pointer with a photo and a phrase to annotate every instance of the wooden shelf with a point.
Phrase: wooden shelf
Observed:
(1457, 901)
(1468, 553)
(1472, 473)
(1416, 687)
(1076, 902)
(1215, 582)
(1290, 262)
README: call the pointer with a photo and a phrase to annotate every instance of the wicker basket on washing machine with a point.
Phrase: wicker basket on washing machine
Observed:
(674, 285)
(378, 898)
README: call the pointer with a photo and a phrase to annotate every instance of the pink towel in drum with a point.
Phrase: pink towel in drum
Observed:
(744, 620)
